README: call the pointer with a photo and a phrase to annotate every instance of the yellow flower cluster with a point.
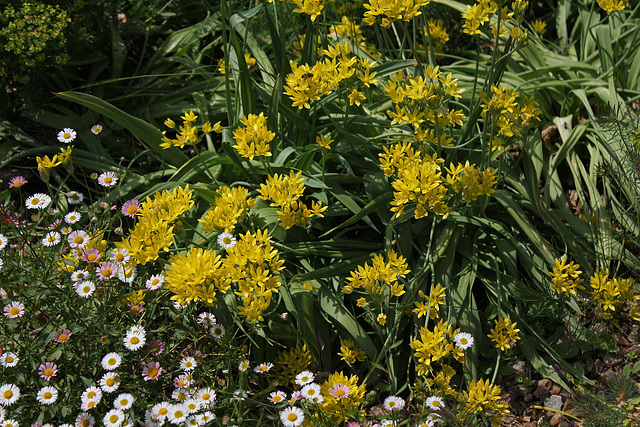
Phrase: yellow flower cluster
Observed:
(338, 407)
(611, 293)
(188, 133)
(153, 231)
(438, 33)
(380, 278)
(350, 30)
(307, 84)
(566, 277)
(290, 363)
(612, 5)
(313, 8)
(508, 117)
(253, 139)
(469, 182)
(421, 101)
(350, 352)
(46, 164)
(196, 276)
(284, 191)
(389, 11)
(482, 396)
(477, 15)
(432, 303)
(504, 333)
(231, 205)
(434, 345)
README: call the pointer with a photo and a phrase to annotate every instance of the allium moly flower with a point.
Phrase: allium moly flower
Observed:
(66, 135)
(96, 129)
(263, 367)
(9, 359)
(393, 403)
(124, 401)
(110, 382)
(111, 361)
(226, 240)
(277, 397)
(131, 208)
(435, 402)
(62, 335)
(85, 288)
(52, 238)
(85, 420)
(3, 241)
(38, 201)
(72, 217)
(74, 197)
(113, 418)
(463, 340)
(17, 181)
(155, 282)
(151, 371)
(48, 370)
(9, 394)
(292, 416)
(107, 179)
(13, 310)
(47, 395)
(217, 331)
(78, 239)
(304, 378)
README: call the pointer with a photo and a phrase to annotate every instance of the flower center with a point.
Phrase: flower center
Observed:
(52, 239)
(206, 396)
(132, 209)
(113, 418)
(124, 402)
(14, 311)
(226, 240)
(48, 372)
(66, 135)
(463, 341)
(35, 201)
(153, 372)
(86, 289)
(9, 359)
(106, 272)
(8, 394)
(163, 411)
(110, 382)
(119, 257)
(107, 180)
(91, 395)
(155, 282)
(85, 422)
(47, 395)
(63, 337)
(178, 414)
(311, 392)
(92, 257)
(134, 340)
(111, 361)
(292, 417)
(78, 239)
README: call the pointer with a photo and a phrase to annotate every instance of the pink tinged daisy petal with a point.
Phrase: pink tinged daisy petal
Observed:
(66, 135)
(151, 371)
(277, 397)
(9, 394)
(263, 367)
(292, 417)
(91, 255)
(394, 403)
(48, 370)
(54, 224)
(131, 208)
(62, 335)
(13, 310)
(107, 179)
(17, 182)
(340, 391)
(156, 347)
(78, 239)
(107, 270)
(96, 129)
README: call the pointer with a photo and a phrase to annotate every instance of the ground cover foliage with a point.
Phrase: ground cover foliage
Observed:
(312, 212)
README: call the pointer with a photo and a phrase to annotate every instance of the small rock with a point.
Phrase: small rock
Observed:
(556, 419)
(606, 376)
(541, 393)
(553, 402)
(528, 397)
(634, 333)
(596, 368)
(546, 383)
(555, 390)
(564, 424)
(520, 369)
(621, 339)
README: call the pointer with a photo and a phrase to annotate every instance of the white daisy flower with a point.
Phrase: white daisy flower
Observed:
(73, 197)
(292, 416)
(127, 422)
(111, 361)
(243, 366)
(9, 394)
(3, 241)
(85, 420)
(155, 282)
(107, 179)
(217, 331)
(239, 394)
(161, 410)
(52, 238)
(463, 340)
(92, 393)
(394, 403)
(124, 401)
(113, 418)
(192, 421)
(110, 382)
(96, 129)
(206, 319)
(120, 256)
(180, 394)
(226, 240)
(205, 417)
(263, 367)
(151, 420)
(137, 329)
(47, 395)
(304, 378)
(134, 341)
(435, 402)
(127, 275)
(9, 423)
(38, 201)
(9, 359)
(66, 425)
(192, 405)
(72, 217)
(310, 391)
(188, 363)
(78, 239)
(206, 396)
(79, 275)
(177, 414)
(88, 404)
(85, 288)
(66, 135)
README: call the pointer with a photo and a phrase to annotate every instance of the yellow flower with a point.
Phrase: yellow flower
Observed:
(313, 8)
(350, 352)
(355, 97)
(249, 60)
(566, 277)
(612, 5)
(45, 165)
(231, 205)
(324, 142)
(539, 26)
(253, 138)
(382, 319)
(290, 363)
(361, 302)
(504, 334)
(196, 276)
